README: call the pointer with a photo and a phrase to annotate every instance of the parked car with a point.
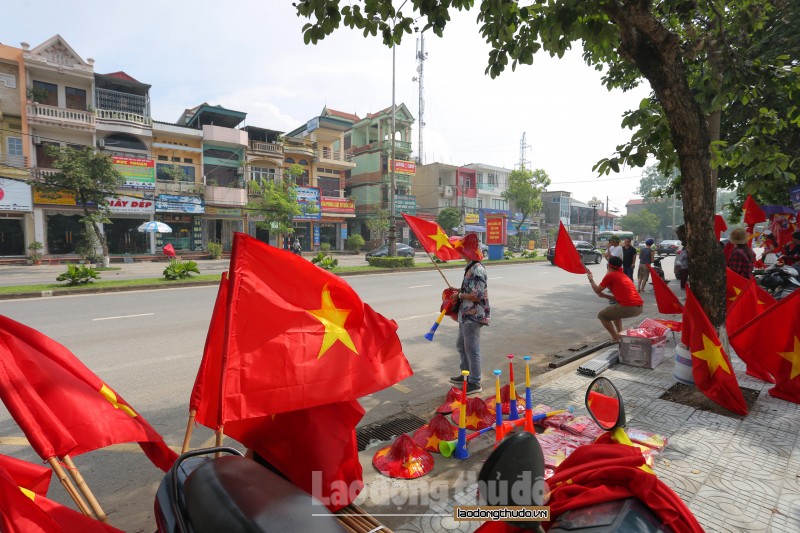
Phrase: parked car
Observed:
(403, 250)
(588, 252)
(668, 247)
(484, 250)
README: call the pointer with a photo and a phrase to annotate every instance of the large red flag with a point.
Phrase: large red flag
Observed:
(746, 307)
(719, 225)
(297, 336)
(666, 300)
(35, 478)
(433, 238)
(566, 255)
(711, 368)
(54, 398)
(735, 284)
(773, 338)
(752, 212)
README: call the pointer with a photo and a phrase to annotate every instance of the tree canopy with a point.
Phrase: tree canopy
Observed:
(449, 218)
(276, 202)
(524, 193)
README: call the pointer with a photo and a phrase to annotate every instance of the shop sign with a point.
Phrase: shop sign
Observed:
(306, 196)
(224, 211)
(344, 232)
(15, 195)
(138, 173)
(53, 197)
(173, 203)
(471, 218)
(127, 204)
(332, 204)
(405, 204)
(404, 167)
(316, 235)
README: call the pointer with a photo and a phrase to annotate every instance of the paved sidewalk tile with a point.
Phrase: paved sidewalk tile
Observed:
(736, 506)
(786, 516)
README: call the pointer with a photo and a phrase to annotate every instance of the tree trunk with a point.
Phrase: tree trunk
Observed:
(657, 53)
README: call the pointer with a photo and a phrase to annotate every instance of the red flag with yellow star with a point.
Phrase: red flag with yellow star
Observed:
(774, 338)
(297, 336)
(747, 306)
(433, 238)
(566, 255)
(711, 368)
(666, 300)
(61, 406)
(735, 284)
(752, 213)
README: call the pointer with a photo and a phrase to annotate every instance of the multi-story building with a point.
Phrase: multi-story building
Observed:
(224, 162)
(264, 164)
(325, 185)
(59, 86)
(16, 204)
(439, 185)
(369, 183)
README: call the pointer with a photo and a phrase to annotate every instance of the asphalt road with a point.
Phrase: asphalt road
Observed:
(147, 345)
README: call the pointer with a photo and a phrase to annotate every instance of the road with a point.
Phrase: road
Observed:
(147, 345)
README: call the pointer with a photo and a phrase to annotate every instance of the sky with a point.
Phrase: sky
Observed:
(250, 56)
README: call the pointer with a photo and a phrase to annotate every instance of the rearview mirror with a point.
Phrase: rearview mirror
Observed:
(604, 403)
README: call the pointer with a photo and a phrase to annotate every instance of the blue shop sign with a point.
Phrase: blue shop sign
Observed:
(306, 196)
(171, 203)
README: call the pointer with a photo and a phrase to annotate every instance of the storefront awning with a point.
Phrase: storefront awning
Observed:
(474, 228)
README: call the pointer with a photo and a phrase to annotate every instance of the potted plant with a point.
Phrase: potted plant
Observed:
(37, 94)
(34, 252)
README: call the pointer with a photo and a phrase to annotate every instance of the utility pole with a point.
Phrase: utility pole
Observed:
(422, 55)
(523, 152)
(673, 213)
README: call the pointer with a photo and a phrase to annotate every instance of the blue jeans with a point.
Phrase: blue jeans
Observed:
(628, 271)
(469, 349)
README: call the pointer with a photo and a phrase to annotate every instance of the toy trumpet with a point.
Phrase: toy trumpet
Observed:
(447, 447)
(512, 413)
(435, 326)
(447, 304)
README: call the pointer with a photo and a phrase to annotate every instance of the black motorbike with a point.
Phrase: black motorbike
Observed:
(657, 266)
(779, 281)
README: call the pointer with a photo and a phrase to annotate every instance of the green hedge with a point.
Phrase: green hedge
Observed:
(391, 262)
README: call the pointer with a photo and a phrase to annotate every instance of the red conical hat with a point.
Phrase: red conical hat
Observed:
(467, 246)
(479, 415)
(404, 459)
(451, 401)
(439, 428)
(505, 399)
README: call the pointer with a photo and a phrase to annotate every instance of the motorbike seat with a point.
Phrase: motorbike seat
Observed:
(235, 494)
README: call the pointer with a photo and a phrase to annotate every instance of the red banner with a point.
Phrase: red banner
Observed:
(331, 204)
(405, 167)
(495, 230)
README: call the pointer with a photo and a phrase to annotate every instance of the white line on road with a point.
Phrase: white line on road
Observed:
(123, 316)
(415, 317)
(497, 277)
(420, 286)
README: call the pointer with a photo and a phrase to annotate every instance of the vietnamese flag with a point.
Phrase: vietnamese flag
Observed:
(774, 338)
(432, 238)
(719, 225)
(752, 213)
(666, 300)
(566, 256)
(711, 368)
(61, 406)
(744, 309)
(735, 284)
(35, 478)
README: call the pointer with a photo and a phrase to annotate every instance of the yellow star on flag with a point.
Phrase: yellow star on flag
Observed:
(472, 420)
(109, 395)
(738, 291)
(441, 239)
(333, 319)
(712, 355)
(794, 358)
(432, 443)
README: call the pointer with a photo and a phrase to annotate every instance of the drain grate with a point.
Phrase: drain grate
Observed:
(387, 429)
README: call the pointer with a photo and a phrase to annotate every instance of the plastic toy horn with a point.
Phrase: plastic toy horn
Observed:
(435, 326)
(461, 445)
(447, 303)
(528, 397)
(512, 413)
(498, 432)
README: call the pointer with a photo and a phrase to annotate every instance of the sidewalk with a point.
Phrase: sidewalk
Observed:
(735, 473)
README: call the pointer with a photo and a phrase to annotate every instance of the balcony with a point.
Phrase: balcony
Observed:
(48, 115)
(298, 146)
(265, 148)
(224, 136)
(19, 162)
(115, 106)
(178, 187)
(334, 158)
(106, 115)
(399, 146)
(216, 195)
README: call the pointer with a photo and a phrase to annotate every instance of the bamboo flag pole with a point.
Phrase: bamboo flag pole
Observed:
(187, 438)
(220, 436)
(69, 487)
(439, 269)
(85, 490)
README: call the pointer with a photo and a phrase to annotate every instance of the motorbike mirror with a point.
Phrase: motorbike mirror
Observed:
(513, 475)
(604, 403)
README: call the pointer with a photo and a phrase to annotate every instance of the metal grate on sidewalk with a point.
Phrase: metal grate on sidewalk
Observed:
(387, 429)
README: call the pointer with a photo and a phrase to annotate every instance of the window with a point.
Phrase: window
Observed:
(303, 162)
(220, 154)
(556, 199)
(163, 158)
(480, 177)
(289, 161)
(480, 203)
(492, 179)
(176, 159)
(328, 186)
(188, 160)
(499, 204)
(163, 173)
(467, 182)
(123, 141)
(76, 98)
(262, 174)
(48, 93)
(14, 150)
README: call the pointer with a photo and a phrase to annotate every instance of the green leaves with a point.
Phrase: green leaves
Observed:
(180, 269)
(78, 275)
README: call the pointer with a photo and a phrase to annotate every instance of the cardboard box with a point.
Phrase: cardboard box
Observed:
(641, 352)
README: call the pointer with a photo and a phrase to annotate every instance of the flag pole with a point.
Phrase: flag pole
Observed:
(439, 269)
(187, 438)
(218, 441)
(69, 487)
(85, 490)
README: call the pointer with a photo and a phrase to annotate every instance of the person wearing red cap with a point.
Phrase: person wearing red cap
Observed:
(473, 314)
(625, 299)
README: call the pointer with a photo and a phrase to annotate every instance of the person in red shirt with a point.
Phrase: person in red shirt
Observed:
(791, 252)
(625, 299)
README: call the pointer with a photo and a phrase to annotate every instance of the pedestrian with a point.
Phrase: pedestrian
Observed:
(742, 258)
(645, 260)
(628, 258)
(771, 249)
(297, 248)
(682, 266)
(473, 314)
(613, 249)
(625, 300)
(791, 252)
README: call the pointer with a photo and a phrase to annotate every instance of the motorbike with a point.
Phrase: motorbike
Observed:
(657, 266)
(600, 487)
(780, 280)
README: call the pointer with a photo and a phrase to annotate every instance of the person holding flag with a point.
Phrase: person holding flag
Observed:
(625, 299)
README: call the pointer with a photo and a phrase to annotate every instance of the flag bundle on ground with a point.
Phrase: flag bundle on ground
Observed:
(290, 348)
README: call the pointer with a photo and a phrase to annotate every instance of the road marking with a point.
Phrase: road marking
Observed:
(401, 388)
(122, 316)
(420, 286)
(416, 317)
(497, 277)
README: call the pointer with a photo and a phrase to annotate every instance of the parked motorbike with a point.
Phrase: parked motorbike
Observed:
(657, 266)
(779, 280)
(597, 488)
